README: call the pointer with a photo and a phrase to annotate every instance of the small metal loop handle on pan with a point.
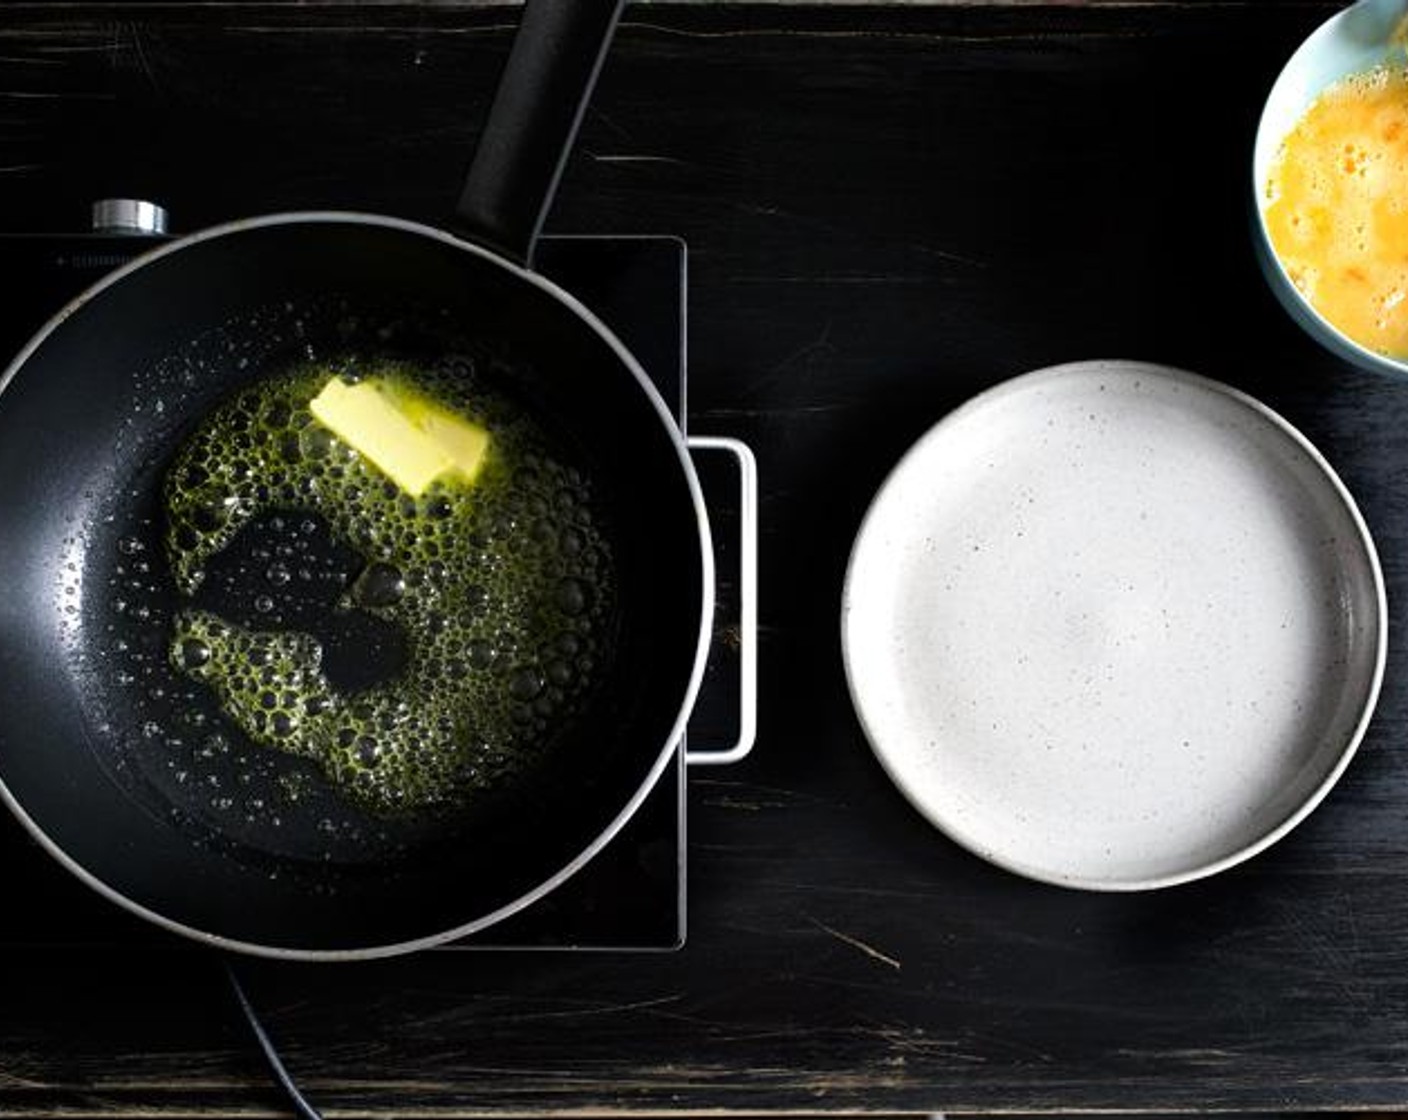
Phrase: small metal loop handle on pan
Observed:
(747, 601)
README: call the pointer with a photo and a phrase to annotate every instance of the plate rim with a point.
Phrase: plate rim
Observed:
(1323, 470)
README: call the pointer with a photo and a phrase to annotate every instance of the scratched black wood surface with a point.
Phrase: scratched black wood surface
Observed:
(887, 211)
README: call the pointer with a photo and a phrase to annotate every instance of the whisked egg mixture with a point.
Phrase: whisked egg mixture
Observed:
(1336, 207)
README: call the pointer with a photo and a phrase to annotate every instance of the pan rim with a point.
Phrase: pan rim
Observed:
(672, 739)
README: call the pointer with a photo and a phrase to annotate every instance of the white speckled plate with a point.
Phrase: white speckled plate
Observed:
(1114, 626)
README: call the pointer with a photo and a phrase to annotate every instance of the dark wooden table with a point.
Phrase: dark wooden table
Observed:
(887, 210)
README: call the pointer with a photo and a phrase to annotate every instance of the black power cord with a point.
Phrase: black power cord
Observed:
(266, 1045)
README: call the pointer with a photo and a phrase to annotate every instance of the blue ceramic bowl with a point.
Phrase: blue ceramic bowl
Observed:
(1356, 39)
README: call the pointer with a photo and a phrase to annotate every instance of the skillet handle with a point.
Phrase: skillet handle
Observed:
(541, 97)
(747, 601)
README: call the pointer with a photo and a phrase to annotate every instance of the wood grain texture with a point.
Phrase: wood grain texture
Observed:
(887, 210)
(225, 7)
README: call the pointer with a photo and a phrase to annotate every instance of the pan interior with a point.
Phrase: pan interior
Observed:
(1113, 626)
(177, 823)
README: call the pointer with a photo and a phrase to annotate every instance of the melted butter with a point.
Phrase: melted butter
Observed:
(503, 588)
(1337, 208)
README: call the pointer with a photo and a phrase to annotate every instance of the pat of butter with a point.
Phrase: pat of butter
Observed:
(465, 442)
(409, 439)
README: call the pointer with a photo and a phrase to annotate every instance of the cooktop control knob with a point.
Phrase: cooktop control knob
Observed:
(128, 215)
